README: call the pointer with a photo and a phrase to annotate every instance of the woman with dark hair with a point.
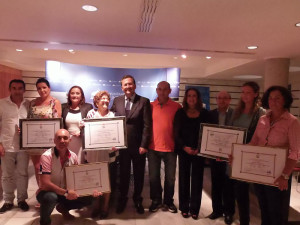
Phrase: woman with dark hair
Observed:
(73, 112)
(44, 106)
(246, 115)
(278, 128)
(186, 133)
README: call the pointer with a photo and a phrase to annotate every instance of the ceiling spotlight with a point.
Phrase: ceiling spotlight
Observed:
(297, 24)
(175, 57)
(183, 56)
(125, 55)
(208, 57)
(252, 47)
(89, 8)
(46, 49)
(19, 50)
(53, 43)
(71, 51)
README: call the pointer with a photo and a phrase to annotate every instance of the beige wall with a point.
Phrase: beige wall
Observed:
(6, 75)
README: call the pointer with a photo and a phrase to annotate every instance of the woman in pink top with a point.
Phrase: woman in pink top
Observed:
(278, 128)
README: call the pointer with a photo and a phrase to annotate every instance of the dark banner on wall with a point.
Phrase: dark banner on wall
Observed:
(204, 91)
(62, 76)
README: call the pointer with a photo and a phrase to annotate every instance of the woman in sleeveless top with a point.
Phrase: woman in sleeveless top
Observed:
(246, 115)
(44, 106)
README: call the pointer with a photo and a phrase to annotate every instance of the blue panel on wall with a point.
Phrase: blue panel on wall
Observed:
(92, 79)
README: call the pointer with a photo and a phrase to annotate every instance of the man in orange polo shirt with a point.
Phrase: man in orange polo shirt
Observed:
(162, 148)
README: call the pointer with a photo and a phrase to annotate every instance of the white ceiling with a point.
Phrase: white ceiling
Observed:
(221, 29)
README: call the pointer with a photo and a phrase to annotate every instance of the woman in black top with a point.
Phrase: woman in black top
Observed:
(186, 131)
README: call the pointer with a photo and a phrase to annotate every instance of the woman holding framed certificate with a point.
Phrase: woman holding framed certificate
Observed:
(101, 102)
(73, 112)
(278, 128)
(246, 115)
(43, 107)
(191, 166)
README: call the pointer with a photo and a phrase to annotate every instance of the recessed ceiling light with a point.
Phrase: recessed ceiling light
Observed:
(89, 8)
(71, 51)
(125, 55)
(248, 77)
(175, 57)
(208, 57)
(297, 24)
(19, 50)
(252, 47)
(183, 56)
(46, 49)
(54, 43)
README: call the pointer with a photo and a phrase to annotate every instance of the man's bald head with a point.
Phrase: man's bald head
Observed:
(223, 100)
(163, 90)
(62, 139)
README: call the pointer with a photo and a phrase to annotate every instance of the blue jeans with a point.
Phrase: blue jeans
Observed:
(154, 162)
(48, 201)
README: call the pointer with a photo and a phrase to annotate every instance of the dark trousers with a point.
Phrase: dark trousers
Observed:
(190, 182)
(138, 163)
(49, 200)
(242, 198)
(223, 199)
(154, 163)
(274, 204)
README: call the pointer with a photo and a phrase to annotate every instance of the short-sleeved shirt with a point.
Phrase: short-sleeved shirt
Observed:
(284, 132)
(163, 118)
(50, 164)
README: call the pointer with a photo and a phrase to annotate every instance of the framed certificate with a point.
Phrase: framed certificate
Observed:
(257, 164)
(86, 178)
(216, 141)
(38, 133)
(102, 134)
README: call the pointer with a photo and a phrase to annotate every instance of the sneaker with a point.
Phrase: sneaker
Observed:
(154, 206)
(170, 207)
(23, 205)
(6, 207)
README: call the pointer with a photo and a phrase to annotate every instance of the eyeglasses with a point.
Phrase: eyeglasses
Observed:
(222, 98)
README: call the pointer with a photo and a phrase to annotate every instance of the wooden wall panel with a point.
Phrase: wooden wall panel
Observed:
(6, 75)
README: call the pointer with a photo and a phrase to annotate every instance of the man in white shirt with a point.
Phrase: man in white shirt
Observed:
(13, 159)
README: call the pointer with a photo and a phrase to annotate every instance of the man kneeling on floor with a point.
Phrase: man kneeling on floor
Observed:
(53, 190)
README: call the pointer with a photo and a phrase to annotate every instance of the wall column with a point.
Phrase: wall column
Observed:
(276, 72)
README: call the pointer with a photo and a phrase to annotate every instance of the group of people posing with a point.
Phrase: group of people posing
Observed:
(160, 130)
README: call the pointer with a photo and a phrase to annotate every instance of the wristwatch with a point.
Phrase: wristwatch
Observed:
(285, 176)
(66, 193)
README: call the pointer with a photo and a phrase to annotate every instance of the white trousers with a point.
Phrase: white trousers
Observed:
(14, 174)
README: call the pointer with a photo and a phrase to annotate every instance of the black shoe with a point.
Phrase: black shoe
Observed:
(121, 205)
(215, 215)
(65, 213)
(185, 214)
(170, 207)
(23, 205)
(154, 206)
(6, 207)
(228, 219)
(139, 208)
(195, 216)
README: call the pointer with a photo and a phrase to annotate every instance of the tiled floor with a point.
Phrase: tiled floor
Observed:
(130, 217)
